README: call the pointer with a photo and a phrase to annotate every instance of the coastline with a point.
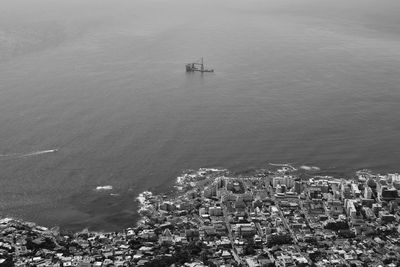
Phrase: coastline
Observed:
(237, 218)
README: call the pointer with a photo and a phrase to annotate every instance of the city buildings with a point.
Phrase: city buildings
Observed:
(270, 218)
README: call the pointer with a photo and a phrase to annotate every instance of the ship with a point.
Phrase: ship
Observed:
(197, 66)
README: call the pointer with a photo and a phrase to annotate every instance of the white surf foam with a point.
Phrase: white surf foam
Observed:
(310, 168)
(304, 167)
(281, 164)
(143, 196)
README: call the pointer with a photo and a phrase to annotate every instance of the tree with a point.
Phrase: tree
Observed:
(249, 249)
(135, 244)
(337, 225)
(204, 256)
(279, 239)
(8, 261)
(346, 234)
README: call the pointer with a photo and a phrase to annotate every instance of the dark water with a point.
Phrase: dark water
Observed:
(306, 82)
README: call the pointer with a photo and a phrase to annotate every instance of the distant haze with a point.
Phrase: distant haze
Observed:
(95, 93)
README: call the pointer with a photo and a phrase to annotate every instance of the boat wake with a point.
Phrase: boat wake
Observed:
(10, 155)
(39, 153)
(24, 155)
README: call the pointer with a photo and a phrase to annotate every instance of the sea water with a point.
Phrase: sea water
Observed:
(305, 82)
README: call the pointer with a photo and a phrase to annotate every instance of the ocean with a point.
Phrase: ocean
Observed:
(94, 94)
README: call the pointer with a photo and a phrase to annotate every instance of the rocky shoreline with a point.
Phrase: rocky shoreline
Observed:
(277, 216)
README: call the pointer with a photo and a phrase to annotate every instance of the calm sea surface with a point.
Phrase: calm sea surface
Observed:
(301, 81)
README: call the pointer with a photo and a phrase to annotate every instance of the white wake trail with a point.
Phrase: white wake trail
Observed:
(36, 153)
(10, 155)
(24, 155)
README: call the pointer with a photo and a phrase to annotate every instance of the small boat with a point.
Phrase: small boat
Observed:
(104, 187)
(196, 66)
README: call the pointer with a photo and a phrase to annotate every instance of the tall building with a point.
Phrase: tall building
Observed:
(368, 192)
(350, 208)
(298, 187)
(354, 188)
(215, 211)
(286, 180)
(346, 190)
